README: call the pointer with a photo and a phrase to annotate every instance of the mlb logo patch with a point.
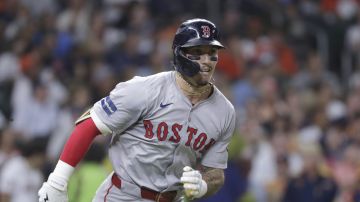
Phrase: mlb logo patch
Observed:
(108, 105)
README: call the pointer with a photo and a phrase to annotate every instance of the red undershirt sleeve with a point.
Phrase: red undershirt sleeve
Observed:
(79, 142)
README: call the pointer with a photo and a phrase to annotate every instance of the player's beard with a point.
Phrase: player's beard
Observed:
(203, 77)
(200, 81)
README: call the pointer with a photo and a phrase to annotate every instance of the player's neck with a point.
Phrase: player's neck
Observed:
(195, 94)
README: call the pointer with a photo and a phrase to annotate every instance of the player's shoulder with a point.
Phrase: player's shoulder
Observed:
(143, 86)
(223, 101)
(151, 80)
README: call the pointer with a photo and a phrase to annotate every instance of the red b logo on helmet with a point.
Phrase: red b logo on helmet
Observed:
(206, 31)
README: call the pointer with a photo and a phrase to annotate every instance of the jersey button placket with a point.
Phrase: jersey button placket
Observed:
(189, 116)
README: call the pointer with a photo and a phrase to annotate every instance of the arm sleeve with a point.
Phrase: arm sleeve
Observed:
(79, 142)
(122, 107)
(217, 155)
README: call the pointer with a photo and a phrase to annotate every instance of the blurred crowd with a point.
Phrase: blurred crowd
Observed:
(291, 69)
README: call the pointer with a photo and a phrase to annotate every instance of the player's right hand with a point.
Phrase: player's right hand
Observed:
(47, 193)
(54, 190)
(194, 185)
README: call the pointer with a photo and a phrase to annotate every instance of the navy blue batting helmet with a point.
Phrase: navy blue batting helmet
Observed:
(194, 32)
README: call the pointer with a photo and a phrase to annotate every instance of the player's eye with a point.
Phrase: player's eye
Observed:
(213, 54)
(194, 51)
(213, 51)
(193, 57)
(197, 53)
(214, 58)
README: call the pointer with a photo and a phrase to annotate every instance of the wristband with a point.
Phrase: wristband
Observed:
(60, 176)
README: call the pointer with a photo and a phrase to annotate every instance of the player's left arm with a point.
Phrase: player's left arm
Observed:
(215, 159)
(214, 178)
(209, 177)
(205, 181)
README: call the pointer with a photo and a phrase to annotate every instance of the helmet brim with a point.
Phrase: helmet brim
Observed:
(203, 42)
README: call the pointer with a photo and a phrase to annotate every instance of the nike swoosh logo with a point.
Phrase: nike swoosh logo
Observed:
(165, 105)
(47, 198)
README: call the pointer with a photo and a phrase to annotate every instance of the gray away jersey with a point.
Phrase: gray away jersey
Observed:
(156, 131)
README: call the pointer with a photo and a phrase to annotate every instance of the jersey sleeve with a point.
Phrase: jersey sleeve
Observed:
(217, 155)
(122, 107)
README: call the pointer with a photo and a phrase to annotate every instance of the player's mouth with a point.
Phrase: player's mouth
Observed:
(205, 69)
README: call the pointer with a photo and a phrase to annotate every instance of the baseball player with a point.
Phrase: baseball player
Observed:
(170, 130)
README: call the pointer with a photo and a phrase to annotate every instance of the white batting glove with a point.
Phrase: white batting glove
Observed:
(194, 185)
(54, 190)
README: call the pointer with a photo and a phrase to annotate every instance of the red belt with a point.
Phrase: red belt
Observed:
(147, 193)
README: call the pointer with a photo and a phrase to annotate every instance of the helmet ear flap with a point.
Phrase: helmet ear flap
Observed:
(184, 65)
